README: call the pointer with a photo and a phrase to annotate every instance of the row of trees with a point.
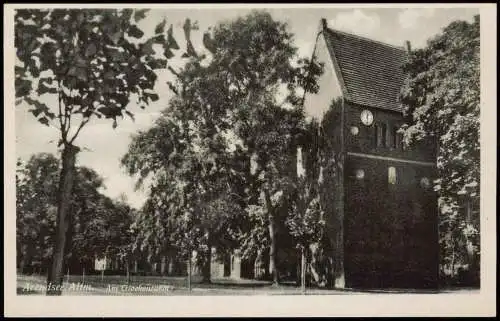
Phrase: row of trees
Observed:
(93, 63)
(100, 226)
(220, 164)
(222, 157)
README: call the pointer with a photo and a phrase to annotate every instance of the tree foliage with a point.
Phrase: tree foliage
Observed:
(191, 205)
(36, 196)
(306, 221)
(266, 79)
(94, 61)
(225, 120)
(441, 96)
(101, 226)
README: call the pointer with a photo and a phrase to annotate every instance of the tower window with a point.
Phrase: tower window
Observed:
(392, 177)
(398, 138)
(388, 137)
(395, 139)
(381, 132)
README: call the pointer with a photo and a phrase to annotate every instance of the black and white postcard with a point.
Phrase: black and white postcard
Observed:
(260, 160)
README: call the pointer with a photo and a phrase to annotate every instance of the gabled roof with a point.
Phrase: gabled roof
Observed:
(370, 72)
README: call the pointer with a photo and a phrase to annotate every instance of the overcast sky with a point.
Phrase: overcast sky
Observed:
(105, 146)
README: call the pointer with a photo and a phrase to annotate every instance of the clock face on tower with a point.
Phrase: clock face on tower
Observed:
(366, 117)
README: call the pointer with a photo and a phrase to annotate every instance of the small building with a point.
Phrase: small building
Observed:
(383, 220)
(218, 268)
(235, 266)
(102, 264)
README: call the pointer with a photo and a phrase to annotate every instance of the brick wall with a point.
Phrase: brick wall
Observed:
(390, 215)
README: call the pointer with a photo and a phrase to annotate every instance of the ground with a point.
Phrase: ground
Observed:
(157, 285)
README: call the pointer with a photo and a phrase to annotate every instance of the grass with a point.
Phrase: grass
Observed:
(160, 286)
(147, 285)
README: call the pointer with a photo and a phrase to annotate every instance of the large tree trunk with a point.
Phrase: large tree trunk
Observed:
(273, 268)
(303, 269)
(66, 180)
(163, 265)
(473, 264)
(24, 258)
(128, 271)
(189, 270)
(452, 263)
(468, 221)
(171, 266)
(207, 263)
(22, 265)
(259, 269)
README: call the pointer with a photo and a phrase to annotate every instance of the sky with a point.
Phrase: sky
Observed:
(103, 146)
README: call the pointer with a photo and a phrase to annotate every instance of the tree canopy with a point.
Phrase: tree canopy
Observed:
(95, 61)
(101, 226)
(226, 121)
(441, 96)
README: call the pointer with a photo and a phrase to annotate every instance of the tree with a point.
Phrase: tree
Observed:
(306, 220)
(189, 206)
(441, 96)
(101, 226)
(89, 213)
(94, 63)
(306, 224)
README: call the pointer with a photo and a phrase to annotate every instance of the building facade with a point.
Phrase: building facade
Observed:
(383, 225)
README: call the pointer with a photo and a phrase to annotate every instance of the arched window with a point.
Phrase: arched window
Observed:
(392, 175)
(396, 139)
(381, 133)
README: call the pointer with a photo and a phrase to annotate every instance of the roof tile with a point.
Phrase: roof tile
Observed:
(371, 70)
